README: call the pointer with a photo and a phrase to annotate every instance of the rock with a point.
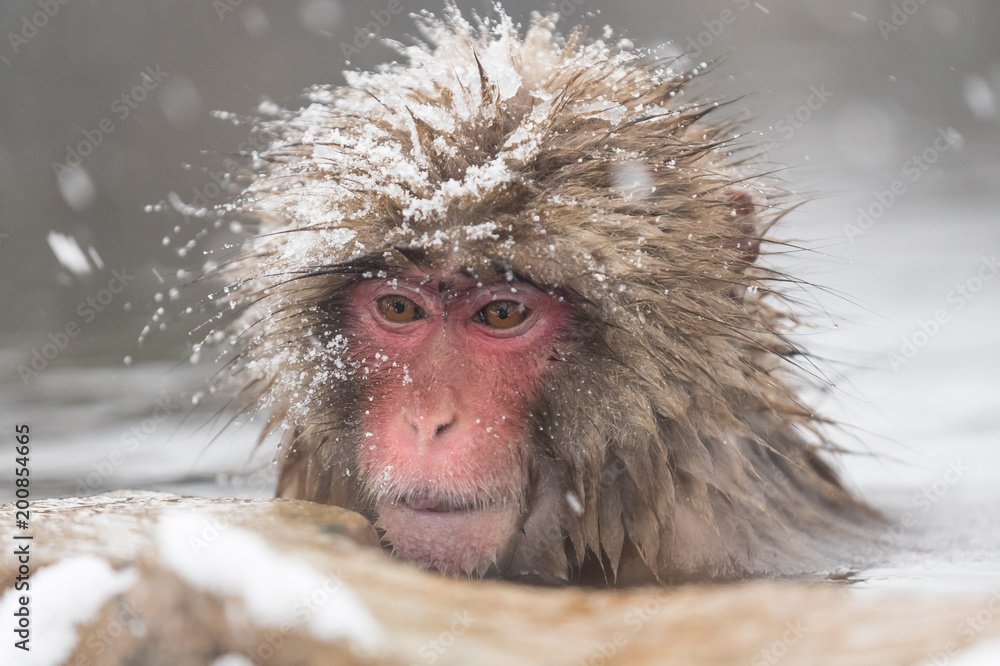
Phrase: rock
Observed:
(155, 579)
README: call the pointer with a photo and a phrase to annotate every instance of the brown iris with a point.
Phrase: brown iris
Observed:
(399, 309)
(503, 314)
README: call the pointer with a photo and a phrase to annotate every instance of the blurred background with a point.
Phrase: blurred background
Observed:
(884, 111)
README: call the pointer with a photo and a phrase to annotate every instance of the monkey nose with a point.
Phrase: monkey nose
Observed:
(431, 425)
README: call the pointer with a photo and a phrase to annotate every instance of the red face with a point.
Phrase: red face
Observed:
(450, 364)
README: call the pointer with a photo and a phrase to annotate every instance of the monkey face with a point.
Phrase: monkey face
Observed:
(449, 365)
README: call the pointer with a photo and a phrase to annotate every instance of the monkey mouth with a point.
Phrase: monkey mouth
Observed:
(443, 506)
(447, 534)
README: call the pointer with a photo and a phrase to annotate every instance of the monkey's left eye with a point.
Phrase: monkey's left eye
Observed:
(502, 314)
(399, 309)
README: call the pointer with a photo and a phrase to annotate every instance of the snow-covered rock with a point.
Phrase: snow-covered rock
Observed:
(157, 579)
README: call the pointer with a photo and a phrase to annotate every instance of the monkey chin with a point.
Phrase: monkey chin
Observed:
(446, 536)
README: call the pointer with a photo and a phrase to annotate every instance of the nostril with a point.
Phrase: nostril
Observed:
(444, 427)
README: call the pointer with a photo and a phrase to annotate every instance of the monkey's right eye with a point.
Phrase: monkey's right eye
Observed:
(399, 309)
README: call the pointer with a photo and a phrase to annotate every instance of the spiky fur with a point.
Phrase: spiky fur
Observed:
(671, 418)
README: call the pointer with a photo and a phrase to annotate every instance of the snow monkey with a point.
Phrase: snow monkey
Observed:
(505, 301)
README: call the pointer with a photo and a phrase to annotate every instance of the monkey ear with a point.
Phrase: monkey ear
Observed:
(745, 239)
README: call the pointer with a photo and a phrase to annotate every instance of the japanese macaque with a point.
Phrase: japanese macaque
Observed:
(505, 302)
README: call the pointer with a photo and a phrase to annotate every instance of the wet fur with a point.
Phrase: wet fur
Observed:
(671, 413)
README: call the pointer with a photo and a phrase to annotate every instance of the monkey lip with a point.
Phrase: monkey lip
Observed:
(440, 506)
(448, 535)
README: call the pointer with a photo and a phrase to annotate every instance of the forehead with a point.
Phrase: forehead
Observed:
(450, 280)
(453, 267)
(449, 268)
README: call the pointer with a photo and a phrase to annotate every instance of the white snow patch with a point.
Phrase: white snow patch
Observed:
(232, 659)
(982, 654)
(96, 258)
(69, 253)
(310, 247)
(979, 96)
(633, 178)
(481, 231)
(63, 596)
(243, 565)
(478, 181)
(77, 188)
(608, 110)
(574, 503)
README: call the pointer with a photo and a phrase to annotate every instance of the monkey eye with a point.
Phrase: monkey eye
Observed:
(502, 314)
(399, 309)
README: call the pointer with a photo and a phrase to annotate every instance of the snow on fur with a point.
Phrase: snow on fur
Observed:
(443, 135)
(581, 166)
